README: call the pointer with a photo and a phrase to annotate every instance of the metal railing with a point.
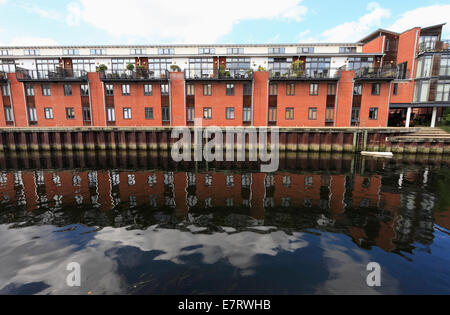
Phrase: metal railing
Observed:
(133, 75)
(377, 73)
(219, 74)
(58, 74)
(432, 46)
(305, 74)
(3, 76)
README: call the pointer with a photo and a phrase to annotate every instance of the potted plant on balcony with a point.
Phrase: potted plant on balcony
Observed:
(297, 68)
(261, 69)
(175, 68)
(141, 71)
(102, 69)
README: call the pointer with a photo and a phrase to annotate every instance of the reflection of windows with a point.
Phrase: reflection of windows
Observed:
(279, 65)
(67, 90)
(316, 66)
(125, 89)
(357, 89)
(109, 90)
(424, 67)
(153, 201)
(421, 89)
(286, 202)
(355, 114)
(309, 181)
(84, 90)
(230, 181)
(443, 91)
(48, 113)
(287, 181)
(347, 50)
(444, 69)
(148, 89)
(360, 62)
(373, 113)
(127, 113)
(376, 89)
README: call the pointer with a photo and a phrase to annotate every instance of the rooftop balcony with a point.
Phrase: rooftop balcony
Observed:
(59, 75)
(434, 46)
(3, 77)
(219, 75)
(377, 74)
(306, 75)
(139, 75)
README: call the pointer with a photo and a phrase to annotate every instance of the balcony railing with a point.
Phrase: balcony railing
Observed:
(434, 46)
(388, 73)
(135, 75)
(222, 74)
(58, 75)
(3, 76)
(305, 74)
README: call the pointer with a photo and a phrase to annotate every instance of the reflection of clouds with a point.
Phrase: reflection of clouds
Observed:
(347, 270)
(26, 259)
(238, 249)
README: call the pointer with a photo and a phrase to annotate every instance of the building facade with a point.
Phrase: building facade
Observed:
(385, 79)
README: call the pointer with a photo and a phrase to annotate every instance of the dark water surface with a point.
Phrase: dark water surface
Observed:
(141, 224)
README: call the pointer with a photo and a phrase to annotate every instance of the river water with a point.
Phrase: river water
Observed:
(141, 224)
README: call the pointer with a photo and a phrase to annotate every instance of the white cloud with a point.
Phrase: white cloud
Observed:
(2, 1)
(73, 17)
(42, 12)
(192, 21)
(32, 41)
(424, 16)
(355, 30)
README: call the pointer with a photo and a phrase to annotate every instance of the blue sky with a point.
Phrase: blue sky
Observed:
(93, 22)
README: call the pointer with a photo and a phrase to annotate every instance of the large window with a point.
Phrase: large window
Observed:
(445, 66)
(201, 67)
(443, 91)
(355, 63)
(424, 67)
(45, 65)
(421, 89)
(87, 65)
(238, 65)
(317, 66)
(279, 66)
(159, 65)
(7, 65)
(121, 64)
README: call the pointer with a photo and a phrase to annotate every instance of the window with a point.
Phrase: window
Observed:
(206, 51)
(29, 90)
(190, 114)
(98, 52)
(149, 113)
(331, 89)
(127, 113)
(230, 113)
(109, 90)
(159, 66)
(277, 50)
(190, 89)
(87, 65)
(121, 64)
(138, 51)
(46, 90)
(148, 89)
(32, 52)
(272, 114)
(357, 89)
(273, 89)
(235, 51)
(347, 50)
(355, 114)
(8, 114)
(125, 89)
(387, 46)
(424, 67)
(201, 67)
(7, 65)
(164, 89)
(238, 66)
(71, 52)
(373, 113)
(421, 89)
(356, 63)
(230, 89)
(445, 66)
(318, 67)
(247, 114)
(70, 113)
(165, 113)
(312, 113)
(305, 50)
(314, 89)
(32, 114)
(207, 89)
(375, 88)
(443, 91)
(329, 114)
(48, 113)
(6, 90)
(207, 113)
(67, 90)
(86, 114)
(290, 113)
(111, 114)
(166, 51)
(290, 89)
(84, 90)
(248, 89)
(395, 90)
(4, 52)
(402, 70)
(279, 66)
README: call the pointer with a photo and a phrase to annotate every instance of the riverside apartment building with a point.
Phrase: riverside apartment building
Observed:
(385, 79)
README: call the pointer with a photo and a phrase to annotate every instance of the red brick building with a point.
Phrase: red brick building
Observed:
(385, 79)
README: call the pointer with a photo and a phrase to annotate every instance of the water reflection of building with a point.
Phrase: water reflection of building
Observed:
(389, 210)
